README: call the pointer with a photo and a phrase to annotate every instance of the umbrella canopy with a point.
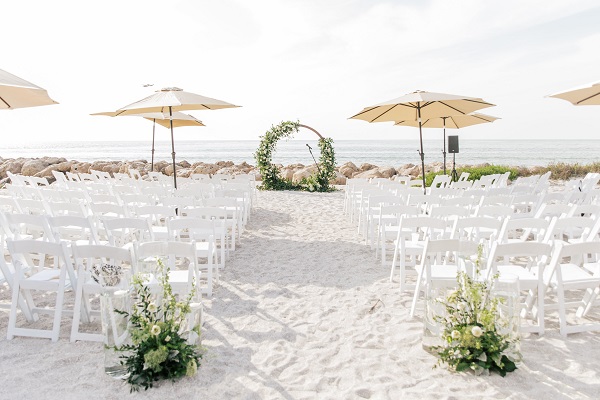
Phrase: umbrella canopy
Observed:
(178, 119)
(18, 93)
(169, 100)
(452, 122)
(173, 99)
(587, 95)
(418, 106)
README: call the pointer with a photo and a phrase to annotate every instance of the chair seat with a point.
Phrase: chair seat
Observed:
(45, 279)
(527, 279)
(441, 272)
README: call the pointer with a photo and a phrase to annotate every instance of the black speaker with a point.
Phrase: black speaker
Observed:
(453, 144)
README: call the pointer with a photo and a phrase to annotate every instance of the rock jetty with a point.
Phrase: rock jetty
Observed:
(43, 167)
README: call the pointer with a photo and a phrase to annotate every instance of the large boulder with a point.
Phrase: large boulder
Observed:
(340, 179)
(81, 167)
(366, 167)
(368, 174)
(348, 169)
(287, 173)
(387, 172)
(32, 167)
(12, 166)
(304, 173)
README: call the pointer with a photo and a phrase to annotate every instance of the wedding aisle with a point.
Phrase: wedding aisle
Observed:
(304, 311)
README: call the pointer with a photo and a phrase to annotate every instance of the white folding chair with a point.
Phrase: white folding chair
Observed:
(51, 271)
(526, 261)
(202, 233)
(439, 264)
(574, 270)
(123, 232)
(91, 262)
(410, 241)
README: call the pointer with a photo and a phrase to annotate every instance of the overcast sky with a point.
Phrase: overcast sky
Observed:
(316, 61)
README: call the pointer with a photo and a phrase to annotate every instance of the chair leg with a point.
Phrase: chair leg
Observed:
(413, 306)
(77, 310)
(58, 312)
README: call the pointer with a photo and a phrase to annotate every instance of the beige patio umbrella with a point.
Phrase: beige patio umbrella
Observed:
(16, 92)
(179, 119)
(451, 122)
(169, 100)
(586, 95)
(419, 106)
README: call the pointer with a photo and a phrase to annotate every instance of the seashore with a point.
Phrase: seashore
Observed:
(43, 167)
(305, 311)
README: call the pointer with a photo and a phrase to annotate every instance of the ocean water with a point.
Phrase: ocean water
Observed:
(378, 152)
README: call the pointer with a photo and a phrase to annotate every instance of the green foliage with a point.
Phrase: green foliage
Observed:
(271, 176)
(159, 349)
(472, 329)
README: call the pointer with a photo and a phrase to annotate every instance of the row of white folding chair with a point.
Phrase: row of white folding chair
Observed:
(53, 267)
(552, 276)
(526, 261)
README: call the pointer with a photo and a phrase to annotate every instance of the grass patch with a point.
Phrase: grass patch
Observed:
(562, 171)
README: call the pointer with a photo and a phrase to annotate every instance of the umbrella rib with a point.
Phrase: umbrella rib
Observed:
(587, 98)
(4, 101)
(454, 108)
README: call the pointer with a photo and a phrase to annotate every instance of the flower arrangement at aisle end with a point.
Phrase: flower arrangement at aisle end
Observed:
(159, 328)
(476, 335)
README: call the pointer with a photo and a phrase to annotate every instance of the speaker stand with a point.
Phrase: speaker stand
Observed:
(454, 173)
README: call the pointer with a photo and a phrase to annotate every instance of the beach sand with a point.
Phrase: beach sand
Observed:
(304, 311)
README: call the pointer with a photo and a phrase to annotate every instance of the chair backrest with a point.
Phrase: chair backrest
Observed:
(88, 256)
(494, 211)
(37, 207)
(107, 210)
(524, 229)
(121, 231)
(526, 254)
(477, 228)
(28, 226)
(176, 255)
(447, 251)
(157, 215)
(71, 228)
(571, 229)
(441, 181)
(422, 228)
(179, 202)
(36, 255)
(67, 208)
(191, 229)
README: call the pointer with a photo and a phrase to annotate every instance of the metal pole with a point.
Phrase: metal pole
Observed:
(173, 147)
(153, 131)
(421, 152)
(313, 157)
(444, 119)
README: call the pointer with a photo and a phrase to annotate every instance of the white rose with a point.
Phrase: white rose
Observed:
(152, 307)
(155, 330)
(455, 334)
(476, 331)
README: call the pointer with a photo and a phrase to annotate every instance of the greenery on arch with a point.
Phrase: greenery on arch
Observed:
(271, 176)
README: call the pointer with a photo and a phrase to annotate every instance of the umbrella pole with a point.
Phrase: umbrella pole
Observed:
(444, 119)
(153, 131)
(421, 152)
(173, 148)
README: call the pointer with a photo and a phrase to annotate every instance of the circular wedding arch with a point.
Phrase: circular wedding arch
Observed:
(271, 176)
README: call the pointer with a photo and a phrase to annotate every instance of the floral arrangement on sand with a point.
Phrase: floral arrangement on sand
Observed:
(475, 333)
(159, 347)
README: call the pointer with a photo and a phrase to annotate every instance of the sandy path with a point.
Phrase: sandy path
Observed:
(291, 320)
